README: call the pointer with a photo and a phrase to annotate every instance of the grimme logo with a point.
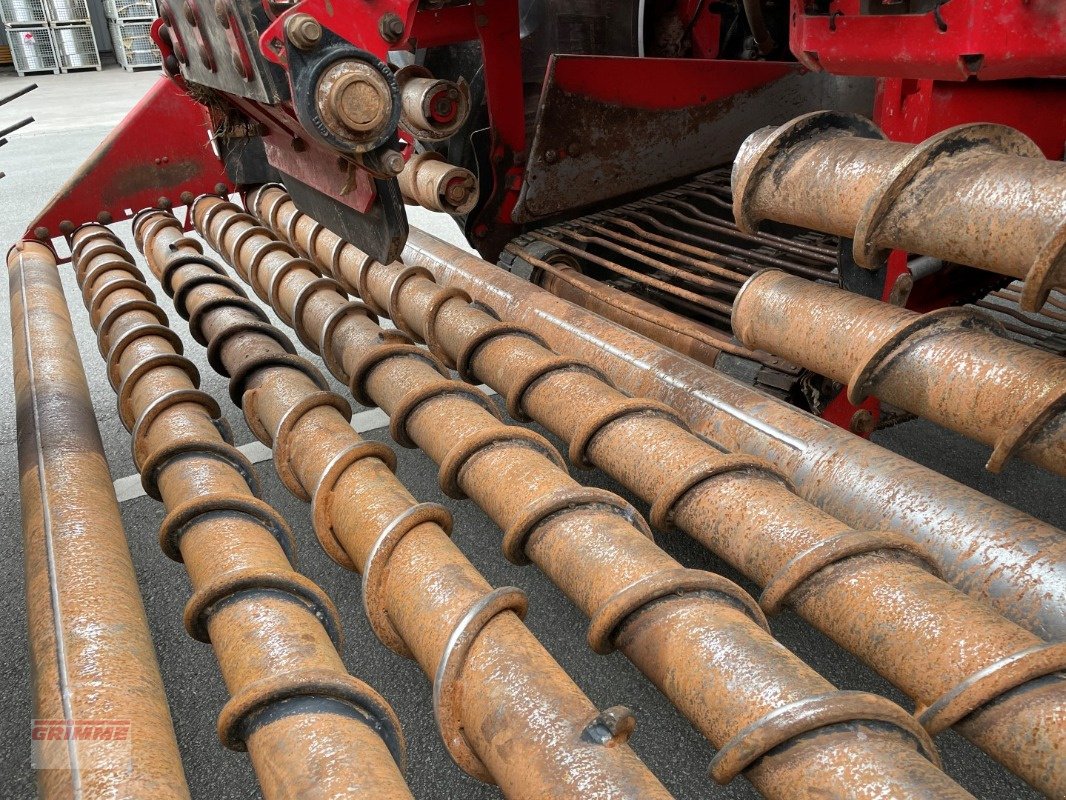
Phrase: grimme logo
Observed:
(82, 744)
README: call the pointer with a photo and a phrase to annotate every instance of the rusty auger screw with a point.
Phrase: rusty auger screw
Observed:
(954, 366)
(873, 592)
(507, 711)
(308, 726)
(673, 623)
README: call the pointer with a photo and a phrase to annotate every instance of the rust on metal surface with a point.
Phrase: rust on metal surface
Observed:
(870, 591)
(698, 637)
(977, 194)
(1012, 561)
(309, 727)
(507, 712)
(91, 652)
(952, 366)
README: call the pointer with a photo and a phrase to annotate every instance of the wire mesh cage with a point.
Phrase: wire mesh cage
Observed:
(32, 50)
(64, 11)
(23, 12)
(129, 9)
(76, 46)
(133, 45)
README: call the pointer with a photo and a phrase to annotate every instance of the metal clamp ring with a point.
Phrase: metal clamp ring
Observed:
(376, 568)
(242, 713)
(392, 304)
(302, 298)
(414, 398)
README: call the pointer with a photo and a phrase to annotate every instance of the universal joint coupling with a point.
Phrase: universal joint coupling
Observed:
(977, 194)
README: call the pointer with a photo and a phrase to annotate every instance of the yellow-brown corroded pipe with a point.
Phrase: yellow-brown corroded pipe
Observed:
(953, 366)
(507, 712)
(977, 194)
(1009, 560)
(951, 654)
(91, 653)
(698, 637)
(310, 728)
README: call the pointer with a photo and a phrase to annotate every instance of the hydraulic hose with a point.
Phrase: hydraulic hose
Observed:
(870, 591)
(92, 659)
(507, 712)
(676, 625)
(309, 727)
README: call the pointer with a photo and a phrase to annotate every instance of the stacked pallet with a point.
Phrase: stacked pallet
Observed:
(50, 35)
(130, 24)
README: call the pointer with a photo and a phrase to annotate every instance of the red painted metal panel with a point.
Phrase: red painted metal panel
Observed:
(160, 150)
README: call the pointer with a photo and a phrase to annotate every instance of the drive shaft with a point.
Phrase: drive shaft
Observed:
(676, 625)
(91, 652)
(867, 590)
(507, 712)
(309, 727)
(977, 194)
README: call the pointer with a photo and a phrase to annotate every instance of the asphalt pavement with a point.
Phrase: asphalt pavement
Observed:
(74, 113)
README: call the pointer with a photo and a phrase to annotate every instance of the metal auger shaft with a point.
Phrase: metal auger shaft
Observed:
(674, 624)
(309, 727)
(977, 194)
(507, 712)
(873, 592)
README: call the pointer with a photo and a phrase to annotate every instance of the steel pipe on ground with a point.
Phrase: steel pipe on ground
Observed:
(697, 636)
(952, 366)
(1010, 560)
(977, 194)
(507, 712)
(92, 658)
(309, 727)
(863, 589)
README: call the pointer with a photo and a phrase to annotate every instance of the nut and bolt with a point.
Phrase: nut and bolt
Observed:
(355, 101)
(862, 422)
(391, 27)
(392, 162)
(304, 31)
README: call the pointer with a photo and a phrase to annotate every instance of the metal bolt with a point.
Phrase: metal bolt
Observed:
(304, 31)
(862, 422)
(221, 189)
(574, 148)
(391, 27)
(392, 162)
(66, 227)
(42, 233)
(105, 218)
(551, 156)
(187, 198)
(298, 144)
(610, 727)
(164, 203)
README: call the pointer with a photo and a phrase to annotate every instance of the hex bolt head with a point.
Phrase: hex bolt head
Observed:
(392, 162)
(304, 31)
(862, 422)
(390, 26)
